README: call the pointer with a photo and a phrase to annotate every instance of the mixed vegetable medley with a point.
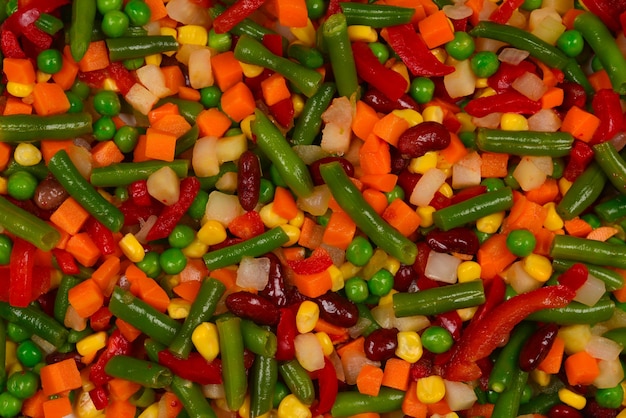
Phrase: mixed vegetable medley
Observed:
(312, 208)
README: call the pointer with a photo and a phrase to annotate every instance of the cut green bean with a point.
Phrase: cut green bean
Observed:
(61, 300)
(37, 322)
(121, 49)
(30, 128)
(335, 35)
(3, 353)
(27, 226)
(439, 299)
(523, 143)
(308, 56)
(83, 17)
(233, 369)
(611, 210)
(572, 248)
(123, 174)
(612, 163)
(506, 365)
(297, 380)
(192, 398)
(146, 373)
(376, 15)
(264, 375)
(474, 208)
(612, 279)
(508, 402)
(187, 140)
(309, 123)
(258, 339)
(582, 193)
(351, 403)
(48, 23)
(246, 26)
(540, 404)
(577, 313)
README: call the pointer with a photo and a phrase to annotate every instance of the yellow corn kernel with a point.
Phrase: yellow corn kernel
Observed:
(251, 70)
(409, 346)
(572, 398)
(85, 408)
(306, 34)
(150, 412)
(292, 232)
(307, 316)
(538, 267)
(412, 117)
(622, 414)
(426, 215)
(564, 185)
(392, 265)
(42, 77)
(387, 299)
(19, 89)
(178, 308)
(362, 33)
(486, 92)
(540, 377)
(292, 407)
(297, 101)
(154, 59)
(491, 223)
(3, 185)
(89, 346)
(244, 409)
(336, 278)
(196, 249)
(349, 270)
(298, 220)
(205, 338)
(132, 249)
(193, 35)
(11, 353)
(467, 313)
(446, 190)
(15, 368)
(424, 163)
(325, 342)
(450, 415)
(109, 84)
(375, 263)
(165, 31)
(468, 271)
(430, 389)
(481, 83)
(467, 125)
(270, 218)
(433, 114)
(244, 125)
(211, 233)
(513, 122)
(575, 337)
(27, 154)
(553, 221)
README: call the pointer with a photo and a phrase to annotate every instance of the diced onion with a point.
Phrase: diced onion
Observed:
(491, 121)
(427, 186)
(145, 227)
(611, 374)
(188, 13)
(591, 291)
(253, 273)
(603, 348)
(441, 267)
(466, 172)
(530, 85)
(459, 396)
(520, 280)
(528, 175)
(513, 55)
(458, 11)
(317, 202)
(353, 361)
(310, 153)
(546, 120)
(164, 186)
(222, 207)
(309, 351)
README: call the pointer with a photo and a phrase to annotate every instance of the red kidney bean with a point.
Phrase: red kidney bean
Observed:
(381, 344)
(422, 258)
(337, 310)
(315, 168)
(248, 180)
(422, 138)
(275, 288)
(398, 162)
(49, 194)
(457, 240)
(381, 103)
(254, 307)
(537, 347)
(407, 181)
(422, 367)
(593, 410)
(573, 95)
(404, 277)
(564, 411)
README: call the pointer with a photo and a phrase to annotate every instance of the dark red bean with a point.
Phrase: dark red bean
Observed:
(537, 347)
(564, 411)
(407, 181)
(457, 240)
(254, 307)
(49, 194)
(404, 277)
(422, 367)
(422, 138)
(315, 168)
(275, 288)
(593, 410)
(398, 162)
(248, 180)
(337, 310)
(381, 103)
(573, 95)
(381, 344)
(422, 258)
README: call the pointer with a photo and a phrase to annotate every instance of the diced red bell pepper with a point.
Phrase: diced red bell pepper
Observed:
(609, 11)
(370, 69)
(328, 388)
(286, 332)
(234, 14)
(507, 101)
(10, 45)
(606, 106)
(123, 78)
(504, 12)
(194, 367)
(22, 265)
(170, 216)
(101, 236)
(65, 261)
(99, 397)
(580, 156)
(117, 345)
(318, 261)
(507, 73)
(247, 226)
(283, 112)
(273, 42)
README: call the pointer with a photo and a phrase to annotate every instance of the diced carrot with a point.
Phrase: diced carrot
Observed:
(188, 93)
(5, 154)
(577, 227)
(64, 237)
(15, 106)
(339, 231)
(374, 156)
(70, 216)
(481, 410)
(552, 98)
(429, 6)
(396, 374)
(176, 125)
(122, 389)
(67, 75)
(160, 145)
(600, 80)
(195, 270)
(226, 275)
(106, 274)
(436, 29)
(213, 122)
(336, 333)
(402, 217)
(86, 298)
(226, 69)
(120, 409)
(127, 330)
(477, 7)
(569, 16)
(96, 57)
(139, 153)
(369, 380)
(524, 214)
(59, 377)
(376, 199)
(411, 405)
(390, 127)
(439, 408)
(274, 89)
(493, 164)
(170, 405)
(33, 406)
(494, 256)
(580, 123)
(548, 76)
(19, 70)
(382, 182)
(365, 118)
(174, 77)
(153, 294)
(455, 151)
(49, 99)
(313, 285)
(106, 153)
(544, 238)
(551, 364)
(310, 234)
(238, 102)
(83, 249)
(581, 368)
(49, 148)
(292, 13)
(620, 294)
(158, 112)
(57, 408)
(188, 290)
(602, 233)
(419, 11)
(284, 203)
(357, 345)
(295, 253)
(157, 9)
(545, 193)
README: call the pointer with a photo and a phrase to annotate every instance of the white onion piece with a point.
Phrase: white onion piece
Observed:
(81, 158)
(603, 348)
(546, 120)
(591, 291)
(442, 267)
(309, 153)
(164, 185)
(188, 13)
(222, 207)
(336, 254)
(462, 82)
(384, 315)
(213, 391)
(619, 141)
(352, 362)
(520, 280)
(317, 202)
(427, 186)
(530, 85)
(544, 163)
(204, 157)
(253, 273)
(309, 351)
(466, 172)
(458, 11)
(145, 227)
(411, 323)
(528, 175)
(459, 396)
(491, 121)
(513, 55)
(611, 374)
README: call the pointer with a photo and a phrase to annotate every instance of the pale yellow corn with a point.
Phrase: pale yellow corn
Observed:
(84, 407)
(468, 271)
(244, 125)
(467, 313)
(297, 220)
(292, 407)
(392, 265)
(193, 35)
(433, 114)
(538, 267)
(109, 84)
(491, 223)
(622, 414)
(251, 70)
(150, 412)
(244, 409)
(362, 33)
(564, 185)
(401, 69)
(211, 233)
(349, 270)
(481, 83)
(409, 346)
(307, 316)
(292, 232)
(431, 389)
(26, 154)
(196, 249)
(89, 346)
(325, 342)
(19, 89)
(337, 279)
(297, 101)
(3, 185)
(467, 125)
(132, 249)
(540, 377)
(446, 190)
(412, 117)
(513, 122)
(487, 92)
(178, 308)
(42, 77)
(307, 34)
(426, 215)
(270, 218)
(11, 353)
(424, 163)
(206, 340)
(553, 221)
(154, 59)
(572, 398)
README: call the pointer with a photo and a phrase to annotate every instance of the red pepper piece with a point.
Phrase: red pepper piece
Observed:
(579, 158)
(93, 78)
(101, 319)
(452, 322)
(194, 367)
(37, 37)
(606, 106)
(328, 388)
(234, 14)
(123, 78)
(138, 191)
(170, 216)
(504, 12)
(286, 332)
(494, 295)
(414, 52)
(65, 261)
(608, 11)
(99, 397)
(507, 73)
(22, 265)
(440, 201)
(574, 277)
(101, 236)
(468, 193)
(133, 213)
(507, 101)
(10, 45)
(247, 226)
(117, 345)
(484, 336)
(318, 262)
(369, 68)
(273, 42)
(283, 112)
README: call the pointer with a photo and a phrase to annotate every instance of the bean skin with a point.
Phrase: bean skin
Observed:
(537, 347)
(253, 307)
(49, 194)
(337, 310)
(564, 411)
(315, 168)
(248, 180)
(422, 138)
(381, 344)
(275, 289)
(458, 240)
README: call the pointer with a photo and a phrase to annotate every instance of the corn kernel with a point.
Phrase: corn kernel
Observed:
(19, 89)
(362, 33)
(575, 337)
(196, 249)
(392, 265)
(297, 101)
(412, 117)
(467, 125)
(481, 82)
(449, 415)
(3, 185)
(244, 125)
(431, 389)
(150, 412)
(491, 223)
(15, 368)
(433, 114)
(441, 54)
(446, 190)
(154, 59)
(307, 34)
(298, 220)
(409, 346)
(205, 338)
(11, 353)
(349, 270)
(572, 399)
(178, 308)
(292, 407)
(42, 77)
(336, 278)
(193, 35)
(538, 267)
(426, 215)
(468, 271)
(270, 218)
(422, 164)
(251, 70)
(27, 154)
(564, 185)
(89, 346)
(244, 409)
(387, 299)
(211, 233)
(401, 69)
(85, 407)
(307, 316)
(325, 342)
(165, 31)
(110, 84)
(540, 377)
(132, 249)
(467, 313)
(513, 122)
(553, 221)
(622, 414)
(292, 232)
(486, 92)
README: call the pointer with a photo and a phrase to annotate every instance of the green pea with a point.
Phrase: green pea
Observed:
(323, 219)
(23, 384)
(610, 397)
(422, 89)
(6, 244)
(210, 96)
(527, 394)
(380, 283)
(105, 6)
(28, 353)
(380, 50)
(10, 406)
(266, 191)
(468, 139)
(172, 261)
(531, 5)
(558, 166)
(484, 64)
(126, 138)
(356, 289)
(150, 264)
(571, 42)
(50, 61)
(81, 89)
(461, 47)
(181, 236)
(521, 242)
(492, 183)
(138, 12)
(21, 185)
(221, 42)
(437, 339)
(359, 251)
(104, 128)
(198, 206)
(17, 333)
(114, 23)
(396, 193)
(133, 64)
(76, 103)
(280, 391)
(107, 103)
(315, 8)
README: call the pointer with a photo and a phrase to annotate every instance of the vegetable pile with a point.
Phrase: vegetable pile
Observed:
(311, 208)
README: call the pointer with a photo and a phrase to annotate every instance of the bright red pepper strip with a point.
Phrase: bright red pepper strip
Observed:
(117, 345)
(22, 265)
(286, 332)
(481, 338)
(508, 101)
(170, 216)
(234, 14)
(606, 106)
(494, 293)
(101, 236)
(99, 397)
(503, 13)
(389, 82)
(194, 367)
(65, 261)
(580, 156)
(328, 388)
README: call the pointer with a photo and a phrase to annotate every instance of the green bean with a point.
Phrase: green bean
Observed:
(602, 42)
(27, 226)
(264, 375)
(187, 140)
(297, 380)
(191, 396)
(335, 35)
(506, 365)
(439, 299)
(146, 373)
(371, 223)
(540, 404)
(612, 279)
(3, 353)
(611, 210)
(202, 309)
(83, 17)
(582, 193)
(142, 316)
(48, 23)
(365, 315)
(274, 145)
(590, 251)
(259, 340)
(30, 128)
(309, 123)
(37, 322)
(553, 144)
(123, 174)
(187, 108)
(618, 335)
(39, 170)
(64, 170)
(245, 27)
(153, 348)
(251, 51)
(376, 15)
(577, 313)
(121, 49)
(508, 402)
(351, 403)
(474, 208)
(233, 369)
(308, 56)
(75, 336)
(612, 164)
(61, 300)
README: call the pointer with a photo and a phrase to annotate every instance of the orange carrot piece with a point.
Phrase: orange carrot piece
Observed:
(70, 216)
(390, 127)
(174, 77)
(552, 98)
(226, 275)
(49, 148)
(577, 227)
(274, 89)
(569, 16)
(157, 9)
(6, 151)
(580, 123)
(374, 156)
(139, 153)
(313, 285)
(188, 290)
(376, 199)
(544, 238)
(396, 374)
(384, 182)
(600, 80)
(336, 333)
(33, 406)
(455, 151)
(620, 294)
(213, 122)
(481, 410)
(170, 405)
(292, 13)
(122, 389)
(402, 217)
(339, 231)
(60, 377)
(195, 270)
(57, 408)
(153, 294)
(106, 274)
(545, 193)
(19, 70)
(477, 7)
(602, 233)
(411, 405)
(176, 125)
(438, 408)
(49, 99)
(436, 29)
(96, 57)
(15, 106)
(284, 203)
(127, 330)
(357, 345)
(67, 75)
(120, 409)
(295, 253)
(158, 112)
(369, 380)
(493, 164)
(106, 153)
(188, 93)
(364, 120)
(86, 298)
(310, 234)
(524, 214)
(419, 11)
(160, 145)
(226, 69)
(238, 102)
(581, 368)
(493, 256)
(551, 364)
(82, 247)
